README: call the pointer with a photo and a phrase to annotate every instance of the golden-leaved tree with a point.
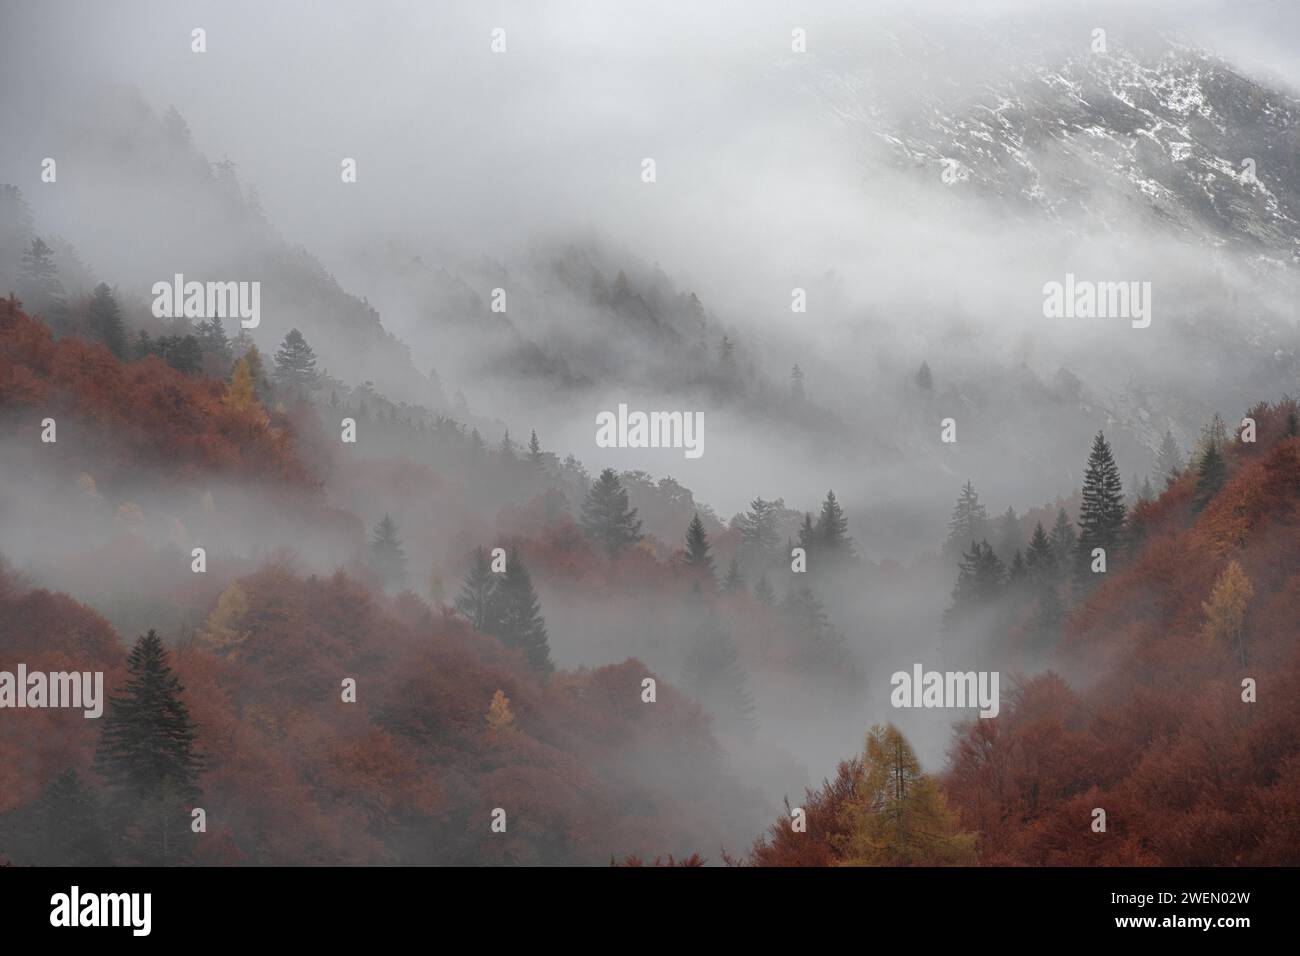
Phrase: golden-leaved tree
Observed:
(901, 817)
(1225, 611)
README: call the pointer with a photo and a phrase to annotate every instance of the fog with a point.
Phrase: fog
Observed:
(775, 170)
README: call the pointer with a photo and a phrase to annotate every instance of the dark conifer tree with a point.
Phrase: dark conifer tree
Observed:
(295, 364)
(147, 743)
(832, 530)
(1169, 461)
(1211, 475)
(606, 516)
(697, 546)
(1064, 541)
(106, 321)
(477, 599)
(387, 555)
(733, 581)
(1039, 560)
(969, 520)
(763, 591)
(1101, 515)
(520, 623)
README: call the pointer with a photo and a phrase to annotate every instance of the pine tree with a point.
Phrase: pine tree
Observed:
(969, 520)
(1169, 461)
(758, 533)
(807, 534)
(714, 675)
(478, 599)
(106, 321)
(38, 279)
(1146, 492)
(387, 554)
(65, 826)
(924, 379)
(1039, 560)
(1101, 515)
(606, 516)
(520, 623)
(1064, 541)
(832, 530)
(980, 578)
(1211, 475)
(215, 343)
(763, 591)
(733, 581)
(507, 449)
(1017, 570)
(295, 364)
(534, 451)
(697, 546)
(146, 747)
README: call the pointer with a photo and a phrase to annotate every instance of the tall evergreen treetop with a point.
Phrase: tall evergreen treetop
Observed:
(1101, 515)
(520, 623)
(832, 532)
(387, 553)
(969, 520)
(295, 363)
(606, 516)
(106, 321)
(146, 748)
(697, 546)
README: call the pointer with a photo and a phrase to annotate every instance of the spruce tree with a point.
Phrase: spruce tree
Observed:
(758, 532)
(733, 581)
(606, 516)
(1039, 560)
(1008, 533)
(832, 531)
(146, 747)
(520, 623)
(478, 599)
(969, 520)
(797, 392)
(1064, 541)
(763, 591)
(1169, 461)
(980, 579)
(106, 321)
(295, 364)
(924, 379)
(697, 546)
(807, 534)
(1101, 515)
(387, 554)
(38, 278)
(534, 451)
(1211, 475)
